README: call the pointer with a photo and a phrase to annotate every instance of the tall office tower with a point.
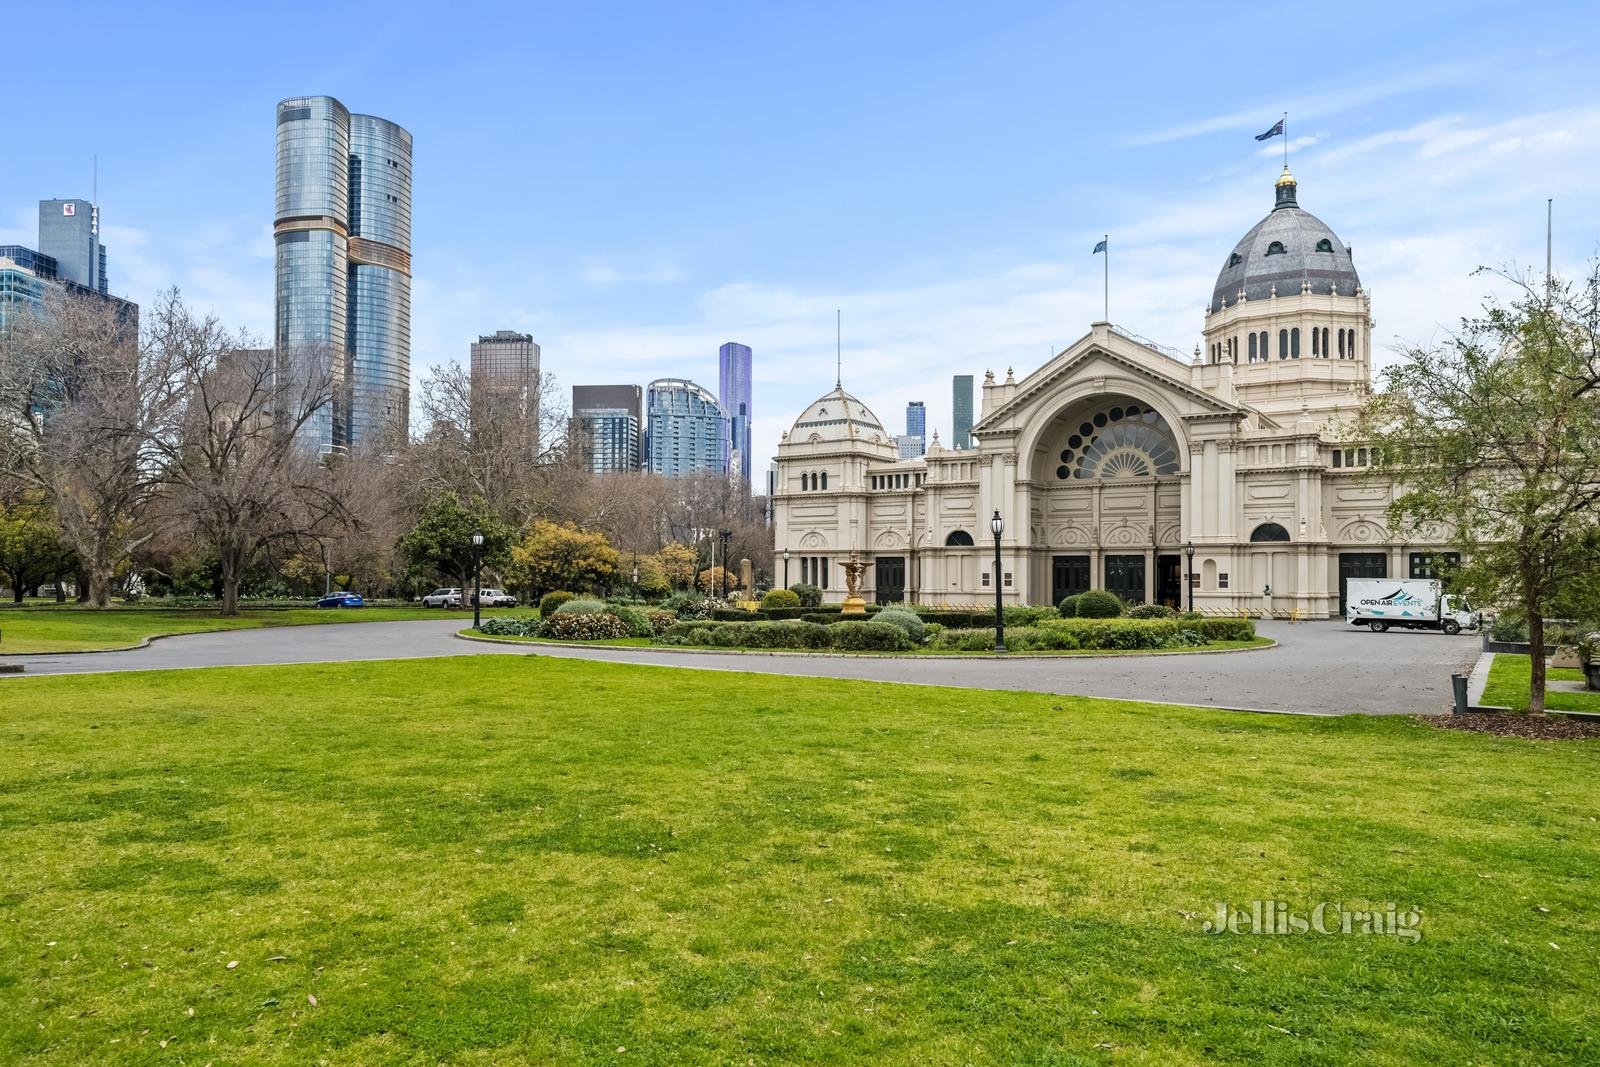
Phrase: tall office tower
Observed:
(687, 430)
(914, 442)
(506, 363)
(961, 405)
(343, 235)
(608, 426)
(733, 366)
(69, 233)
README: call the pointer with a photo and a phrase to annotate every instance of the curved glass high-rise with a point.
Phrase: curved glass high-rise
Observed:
(343, 235)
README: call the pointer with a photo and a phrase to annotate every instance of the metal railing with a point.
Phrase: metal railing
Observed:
(1165, 350)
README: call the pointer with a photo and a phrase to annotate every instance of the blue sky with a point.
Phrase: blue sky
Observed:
(634, 184)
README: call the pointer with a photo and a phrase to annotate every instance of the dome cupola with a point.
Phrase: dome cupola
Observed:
(1290, 251)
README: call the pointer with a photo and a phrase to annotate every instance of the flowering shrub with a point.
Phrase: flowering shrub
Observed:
(576, 626)
(1151, 611)
(659, 621)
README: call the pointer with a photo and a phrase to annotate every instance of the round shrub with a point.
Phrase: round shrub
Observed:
(1069, 606)
(868, 637)
(660, 620)
(638, 625)
(1098, 604)
(908, 621)
(551, 601)
(1151, 611)
(810, 596)
(582, 606)
(780, 598)
(577, 626)
(509, 626)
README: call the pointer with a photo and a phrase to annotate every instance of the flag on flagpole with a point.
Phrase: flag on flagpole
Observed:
(1277, 128)
(1100, 246)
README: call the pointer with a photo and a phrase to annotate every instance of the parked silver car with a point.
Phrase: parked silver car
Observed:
(442, 598)
(496, 598)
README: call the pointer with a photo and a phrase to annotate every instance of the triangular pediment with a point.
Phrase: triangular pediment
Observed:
(1103, 347)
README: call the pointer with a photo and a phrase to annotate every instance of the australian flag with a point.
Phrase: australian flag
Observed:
(1099, 246)
(1277, 128)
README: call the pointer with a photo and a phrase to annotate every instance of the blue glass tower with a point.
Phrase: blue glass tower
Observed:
(733, 366)
(688, 429)
(343, 236)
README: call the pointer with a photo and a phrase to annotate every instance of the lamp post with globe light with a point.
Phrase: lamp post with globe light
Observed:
(477, 578)
(1188, 550)
(998, 525)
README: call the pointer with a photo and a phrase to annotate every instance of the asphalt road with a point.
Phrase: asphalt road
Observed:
(1319, 668)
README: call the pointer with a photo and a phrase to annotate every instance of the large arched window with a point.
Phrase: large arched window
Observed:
(1325, 352)
(1316, 341)
(1283, 344)
(1294, 343)
(1120, 441)
(824, 479)
(1252, 348)
(958, 539)
(1269, 531)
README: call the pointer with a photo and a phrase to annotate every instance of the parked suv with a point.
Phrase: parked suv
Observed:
(496, 598)
(442, 598)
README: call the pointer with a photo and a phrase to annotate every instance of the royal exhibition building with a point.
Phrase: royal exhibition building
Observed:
(1113, 460)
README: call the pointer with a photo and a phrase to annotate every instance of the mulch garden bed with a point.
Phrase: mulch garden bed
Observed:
(1532, 727)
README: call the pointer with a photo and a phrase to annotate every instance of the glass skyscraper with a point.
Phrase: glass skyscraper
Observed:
(343, 236)
(608, 426)
(687, 431)
(914, 442)
(961, 407)
(69, 233)
(733, 367)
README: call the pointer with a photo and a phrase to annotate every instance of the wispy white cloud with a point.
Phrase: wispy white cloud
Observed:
(599, 272)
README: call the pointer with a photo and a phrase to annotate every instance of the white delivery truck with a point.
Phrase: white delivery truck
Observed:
(1414, 603)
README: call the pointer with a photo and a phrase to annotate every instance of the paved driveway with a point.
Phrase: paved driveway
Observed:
(1320, 668)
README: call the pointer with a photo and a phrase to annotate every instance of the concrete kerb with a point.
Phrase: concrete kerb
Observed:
(1478, 681)
(940, 657)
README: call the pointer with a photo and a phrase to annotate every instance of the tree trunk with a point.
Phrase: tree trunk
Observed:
(1535, 661)
(230, 560)
(100, 577)
(61, 592)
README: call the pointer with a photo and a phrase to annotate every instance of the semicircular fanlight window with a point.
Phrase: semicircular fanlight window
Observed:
(1131, 442)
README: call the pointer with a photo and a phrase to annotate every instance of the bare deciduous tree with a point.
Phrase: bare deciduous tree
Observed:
(87, 409)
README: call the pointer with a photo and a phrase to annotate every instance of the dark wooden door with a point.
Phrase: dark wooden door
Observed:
(1169, 581)
(1069, 575)
(890, 587)
(1125, 577)
(1359, 565)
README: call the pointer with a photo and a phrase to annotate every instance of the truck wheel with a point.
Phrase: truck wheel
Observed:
(1452, 627)
(1378, 627)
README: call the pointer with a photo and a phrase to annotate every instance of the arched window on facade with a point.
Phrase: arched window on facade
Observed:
(1265, 337)
(1269, 531)
(958, 539)
(1325, 352)
(1315, 342)
(1341, 344)
(1275, 248)
(824, 479)
(1283, 344)
(1294, 343)
(1252, 348)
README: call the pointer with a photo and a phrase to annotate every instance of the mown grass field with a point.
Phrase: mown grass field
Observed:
(1509, 678)
(507, 859)
(79, 629)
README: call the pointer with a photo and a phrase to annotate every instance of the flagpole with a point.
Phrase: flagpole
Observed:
(1107, 311)
(1285, 140)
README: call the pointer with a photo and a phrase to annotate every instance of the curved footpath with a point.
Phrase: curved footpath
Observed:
(1321, 668)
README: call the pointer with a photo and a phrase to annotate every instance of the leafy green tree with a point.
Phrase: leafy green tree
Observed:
(561, 556)
(1493, 440)
(32, 550)
(441, 541)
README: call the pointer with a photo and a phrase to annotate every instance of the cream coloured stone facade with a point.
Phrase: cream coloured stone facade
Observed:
(1111, 459)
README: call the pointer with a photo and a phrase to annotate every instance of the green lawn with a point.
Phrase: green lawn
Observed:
(1508, 686)
(79, 629)
(507, 859)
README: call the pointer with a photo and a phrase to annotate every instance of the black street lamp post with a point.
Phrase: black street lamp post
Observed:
(786, 568)
(477, 579)
(727, 535)
(998, 525)
(1188, 550)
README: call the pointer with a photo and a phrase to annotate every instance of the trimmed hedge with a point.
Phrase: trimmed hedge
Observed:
(908, 621)
(868, 637)
(581, 626)
(1098, 604)
(958, 618)
(510, 626)
(790, 634)
(1029, 614)
(551, 601)
(1226, 629)
(736, 615)
(780, 598)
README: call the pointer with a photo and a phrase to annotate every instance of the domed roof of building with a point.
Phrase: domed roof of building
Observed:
(838, 416)
(1287, 249)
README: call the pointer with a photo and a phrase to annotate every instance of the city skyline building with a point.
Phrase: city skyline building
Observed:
(914, 442)
(910, 445)
(69, 233)
(342, 231)
(961, 411)
(686, 429)
(608, 426)
(503, 372)
(734, 391)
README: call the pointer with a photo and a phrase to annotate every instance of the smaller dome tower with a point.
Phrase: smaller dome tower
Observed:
(1288, 314)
